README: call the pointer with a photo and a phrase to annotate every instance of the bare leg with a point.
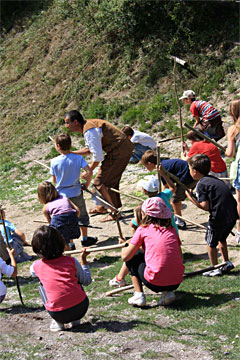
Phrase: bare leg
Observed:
(177, 208)
(84, 230)
(123, 272)
(223, 250)
(104, 191)
(213, 255)
(137, 284)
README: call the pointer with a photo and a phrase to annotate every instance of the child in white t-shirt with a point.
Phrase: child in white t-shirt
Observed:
(9, 270)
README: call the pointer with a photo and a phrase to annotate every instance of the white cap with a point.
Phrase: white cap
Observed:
(149, 183)
(188, 94)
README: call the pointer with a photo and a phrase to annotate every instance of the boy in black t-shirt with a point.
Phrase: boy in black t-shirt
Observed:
(214, 196)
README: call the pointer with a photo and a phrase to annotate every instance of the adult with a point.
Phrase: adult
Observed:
(207, 118)
(99, 136)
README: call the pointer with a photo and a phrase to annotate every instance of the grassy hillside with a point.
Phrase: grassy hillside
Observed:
(110, 59)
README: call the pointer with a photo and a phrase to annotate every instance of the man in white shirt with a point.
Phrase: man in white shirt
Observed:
(99, 136)
(142, 142)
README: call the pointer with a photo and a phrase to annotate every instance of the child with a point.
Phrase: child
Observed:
(178, 168)
(61, 278)
(142, 142)
(233, 150)
(60, 212)
(214, 196)
(65, 170)
(201, 146)
(9, 270)
(160, 268)
(16, 239)
(208, 119)
(150, 188)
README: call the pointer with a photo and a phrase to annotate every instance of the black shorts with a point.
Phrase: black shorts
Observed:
(214, 235)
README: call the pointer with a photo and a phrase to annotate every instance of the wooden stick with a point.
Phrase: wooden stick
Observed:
(88, 226)
(118, 290)
(9, 247)
(50, 138)
(103, 201)
(39, 162)
(158, 164)
(197, 272)
(191, 222)
(205, 137)
(177, 99)
(130, 196)
(96, 249)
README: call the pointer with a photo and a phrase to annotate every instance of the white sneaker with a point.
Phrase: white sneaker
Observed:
(75, 323)
(137, 299)
(180, 223)
(56, 326)
(237, 238)
(115, 282)
(213, 273)
(167, 298)
(227, 268)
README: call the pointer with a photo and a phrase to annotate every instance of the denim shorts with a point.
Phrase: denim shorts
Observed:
(236, 183)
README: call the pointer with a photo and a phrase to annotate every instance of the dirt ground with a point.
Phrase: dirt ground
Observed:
(35, 324)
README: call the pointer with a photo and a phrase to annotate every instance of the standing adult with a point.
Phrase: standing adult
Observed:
(99, 136)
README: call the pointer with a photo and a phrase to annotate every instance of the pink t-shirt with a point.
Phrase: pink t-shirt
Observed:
(164, 264)
(59, 206)
(58, 277)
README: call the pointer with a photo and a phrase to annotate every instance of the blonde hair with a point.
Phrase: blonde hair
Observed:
(46, 192)
(234, 111)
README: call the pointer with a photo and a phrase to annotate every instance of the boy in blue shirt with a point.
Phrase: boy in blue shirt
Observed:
(66, 169)
(214, 196)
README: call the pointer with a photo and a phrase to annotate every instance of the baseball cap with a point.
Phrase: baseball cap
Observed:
(188, 94)
(150, 183)
(157, 208)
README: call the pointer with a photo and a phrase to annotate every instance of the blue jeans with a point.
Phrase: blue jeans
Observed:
(138, 152)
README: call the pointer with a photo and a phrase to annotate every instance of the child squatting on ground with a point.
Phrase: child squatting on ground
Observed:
(16, 239)
(60, 212)
(214, 196)
(66, 170)
(233, 150)
(160, 268)
(61, 278)
(9, 270)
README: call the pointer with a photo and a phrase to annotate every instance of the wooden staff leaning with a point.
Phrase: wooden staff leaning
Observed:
(9, 247)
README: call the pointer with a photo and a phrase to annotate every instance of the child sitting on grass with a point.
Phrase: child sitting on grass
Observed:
(16, 239)
(160, 268)
(9, 270)
(214, 196)
(61, 278)
(60, 212)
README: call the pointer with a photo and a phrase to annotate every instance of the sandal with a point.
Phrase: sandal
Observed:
(111, 217)
(97, 212)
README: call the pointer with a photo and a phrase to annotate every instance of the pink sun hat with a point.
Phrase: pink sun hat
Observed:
(157, 208)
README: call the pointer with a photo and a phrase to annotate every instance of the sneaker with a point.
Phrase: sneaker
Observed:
(75, 323)
(72, 246)
(56, 326)
(227, 268)
(180, 223)
(213, 273)
(118, 283)
(137, 299)
(91, 240)
(167, 298)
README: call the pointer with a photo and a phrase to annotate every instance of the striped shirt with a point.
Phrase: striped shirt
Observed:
(204, 110)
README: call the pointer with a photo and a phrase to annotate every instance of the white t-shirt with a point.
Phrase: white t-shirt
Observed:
(143, 139)
(6, 270)
(93, 140)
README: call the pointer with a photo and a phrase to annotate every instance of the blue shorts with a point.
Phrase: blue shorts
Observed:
(67, 225)
(236, 183)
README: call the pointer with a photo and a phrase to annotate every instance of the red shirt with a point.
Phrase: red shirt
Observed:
(58, 277)
(218, 165)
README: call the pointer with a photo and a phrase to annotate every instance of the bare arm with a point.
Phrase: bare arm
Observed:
(197, 120)
(54, 179)
(231, 133)
(169, 182)
(46, 213)
(87, 175)
(129, 252)
(13, 261)
(204, 205)
(75, 207)
(84, 151)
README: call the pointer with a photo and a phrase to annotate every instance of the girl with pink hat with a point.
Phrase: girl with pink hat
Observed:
(160, 267)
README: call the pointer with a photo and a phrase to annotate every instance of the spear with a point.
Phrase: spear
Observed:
(9, 247)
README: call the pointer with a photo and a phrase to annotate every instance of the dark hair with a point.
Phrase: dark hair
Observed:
(147, 220)
(47, 192)
(75, 115)
(48, 242)
(128, 130)
(64, 141)
(191, 135)
(193, 99)
(149, 156)
(201, 163)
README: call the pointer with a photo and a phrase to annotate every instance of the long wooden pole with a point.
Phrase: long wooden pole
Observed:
(9, 247)
(119, 290)
(177, 99)
(198, 272)
(97, 249)
(128, 195)
(158, 164)
(40, 163)
(205, 137)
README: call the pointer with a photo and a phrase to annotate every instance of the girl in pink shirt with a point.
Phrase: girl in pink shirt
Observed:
(61, 278)
(160, 268)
